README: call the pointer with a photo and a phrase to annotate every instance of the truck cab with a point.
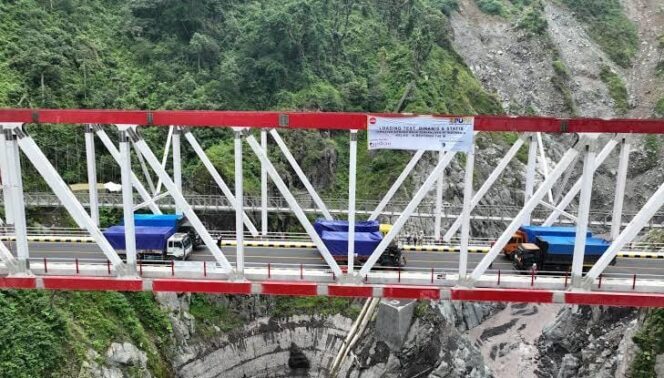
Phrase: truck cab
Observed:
(516, 240)
(179, 246)
(526, 255)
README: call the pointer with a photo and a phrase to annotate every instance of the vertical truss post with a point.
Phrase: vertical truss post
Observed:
(5, 253)
(145, 196)
(5, 177)
(528, 207)
(127, 199)
(92, 172)
(177, 164)
(66, 197)
(412, 205)
(164, 157)
(239, 201)
(493, 177)
(465, 214)
(397, 184)
(628, 234)
(264, 220)
(544, 163)
(582, 216)
(217, 178)
(569, 196)
(179, 199)
(296, 167)
(621, 179)
(292, 203)
(352, 172)
(439, 201)
(18, 202)
(530, 174)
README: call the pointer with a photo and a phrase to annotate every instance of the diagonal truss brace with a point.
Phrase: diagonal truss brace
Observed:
(648, 210)
(493, 177)
(217, 178)
(300, 173)
(292, 202)
(397, 184)
(576, 188)
(113, 150)
(412, 205)
(66, 196)
(528, 207)
(179, 199)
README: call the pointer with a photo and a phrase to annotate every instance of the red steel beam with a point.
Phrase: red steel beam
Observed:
(311, 120)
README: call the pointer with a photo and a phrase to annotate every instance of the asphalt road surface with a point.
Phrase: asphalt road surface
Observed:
(260, 256)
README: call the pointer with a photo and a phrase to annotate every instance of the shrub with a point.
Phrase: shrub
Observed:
(494, 7)
(533, 22)
(617, 89)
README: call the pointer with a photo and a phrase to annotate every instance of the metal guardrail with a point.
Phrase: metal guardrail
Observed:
(335, 205)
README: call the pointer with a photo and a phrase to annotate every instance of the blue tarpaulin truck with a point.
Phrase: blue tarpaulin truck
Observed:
(156, 238)
(334, 234)
(529, 234)
(179, 222)
(556, 252)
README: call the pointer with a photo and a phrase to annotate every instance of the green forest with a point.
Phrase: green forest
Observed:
(224, 54)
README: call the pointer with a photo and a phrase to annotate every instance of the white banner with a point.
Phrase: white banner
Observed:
(420, 133)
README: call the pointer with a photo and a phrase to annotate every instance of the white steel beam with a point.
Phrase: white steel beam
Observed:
(465, 213)
(65, 195)
(544, 162)
(127, 199)
(292, 202)
(412, 205)
(584, 210)
(18, 202)
(179, 199)
(493, 177)
(264, 204)
(563, 213)
(569, 196)
(639, 221)
(5, 177)
(217, 178)
(113, 150)
(352, 172)
(146, 173)
(621, 180)
(177, 164)
(397, 184)
(164, 157)
(152, 200)
(439, 201)
(239, 202)
(300, 173)
(498, 246)
(92, 172)
(530, 174)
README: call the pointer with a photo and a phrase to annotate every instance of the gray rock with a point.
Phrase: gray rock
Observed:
(126, 354)
(659, 366)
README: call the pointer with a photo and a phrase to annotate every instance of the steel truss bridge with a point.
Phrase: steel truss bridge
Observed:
(468, 273)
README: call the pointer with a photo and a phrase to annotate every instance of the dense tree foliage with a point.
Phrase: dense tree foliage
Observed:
(334, 55)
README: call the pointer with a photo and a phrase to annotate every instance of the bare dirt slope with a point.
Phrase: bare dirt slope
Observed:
(645, 87)
(519, 68)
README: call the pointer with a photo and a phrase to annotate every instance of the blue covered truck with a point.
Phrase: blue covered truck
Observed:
(157, 237)
(334, 234)
(557, 252)
(529, 234)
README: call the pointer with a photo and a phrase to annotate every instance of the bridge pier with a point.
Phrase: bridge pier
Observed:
(393, 321)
